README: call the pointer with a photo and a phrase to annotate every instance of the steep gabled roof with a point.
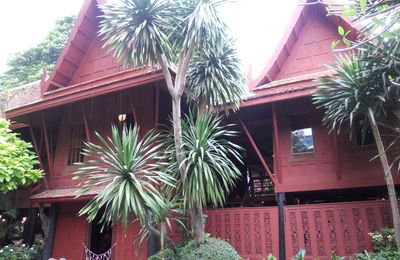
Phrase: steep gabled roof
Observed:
(290, 38)
(82, 34)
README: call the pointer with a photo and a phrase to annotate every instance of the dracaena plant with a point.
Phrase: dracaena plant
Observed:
(211, 161)
(364, 84)
(174, 35)
(128, 169)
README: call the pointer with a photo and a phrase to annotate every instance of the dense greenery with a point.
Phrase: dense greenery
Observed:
(130, 168)
(22, 252)
(212, 248)
(27, 66)
(17, 161)
(188, 38)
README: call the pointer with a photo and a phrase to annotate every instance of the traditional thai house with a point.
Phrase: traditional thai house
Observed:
(301, 188)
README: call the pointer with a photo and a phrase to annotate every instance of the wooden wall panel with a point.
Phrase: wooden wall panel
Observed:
(318, 170)
(125, 247)
(334, 227)
(71, 232)
(312, 48)
(253, 232)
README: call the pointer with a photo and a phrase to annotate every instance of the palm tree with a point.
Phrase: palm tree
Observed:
(364, 85)
(209, 163)
(129, 169)
(174, 35)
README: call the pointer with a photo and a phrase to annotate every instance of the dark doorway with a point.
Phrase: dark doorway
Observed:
(100, 239)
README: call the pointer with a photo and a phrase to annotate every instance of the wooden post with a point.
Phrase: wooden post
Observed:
(277, 148)
(135, 118)
(37, 151)
(157, 107)
(49, 243)
(48, 150)
(253, 144)
(336, 156)
(85, 122)
(281, 223)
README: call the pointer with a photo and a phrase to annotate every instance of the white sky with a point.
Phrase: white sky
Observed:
(258, 25)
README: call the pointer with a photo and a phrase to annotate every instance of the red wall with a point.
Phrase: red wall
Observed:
(317, 170)
(71, 232)
(312, 47)
(101, 113)
(125, 243)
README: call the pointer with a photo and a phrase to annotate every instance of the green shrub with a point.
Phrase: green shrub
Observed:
(19, 253)
(167, 254)
(383, 255)
(211, 249)
(383, 240)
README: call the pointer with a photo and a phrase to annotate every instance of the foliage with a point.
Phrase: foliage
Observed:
(17, 161)
(211, 171)
(169, 34)
(27, 66)
(212, 248)
(376, 19)
(384, 255)
(383, 240)
(166, 254)
(215, 78)
(129, 168)
(22, 252)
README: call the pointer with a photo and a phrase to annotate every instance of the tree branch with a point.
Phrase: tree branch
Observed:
(184, 60)
(168, 78)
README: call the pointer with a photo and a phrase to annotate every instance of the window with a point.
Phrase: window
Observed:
(76, 145)
(301, 134)
(364, 133)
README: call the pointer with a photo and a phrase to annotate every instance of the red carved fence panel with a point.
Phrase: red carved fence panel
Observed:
(339, 227)
(252, 231)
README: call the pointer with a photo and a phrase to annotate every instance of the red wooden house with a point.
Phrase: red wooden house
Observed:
(302, 187)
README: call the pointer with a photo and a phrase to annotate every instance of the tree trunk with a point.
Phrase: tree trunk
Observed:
(177, 125)
(197, 222)
(388, 178)
(168, 240)
(44, 220)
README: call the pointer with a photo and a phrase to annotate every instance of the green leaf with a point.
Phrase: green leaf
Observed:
(340, 30)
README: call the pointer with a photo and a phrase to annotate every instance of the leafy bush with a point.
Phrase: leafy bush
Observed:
(166, 254)
(383, 240)
(212, 248)
(17, 160)
(22, 252)
(383, 255)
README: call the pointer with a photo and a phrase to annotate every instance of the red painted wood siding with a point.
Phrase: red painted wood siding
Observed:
(101, 113)
(71, 232)
(125, 243)
(318, 170)
(252, 231)
(312, 48)
(339, 227)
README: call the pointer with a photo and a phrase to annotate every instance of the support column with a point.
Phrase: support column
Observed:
(49, 243)
(281, 222)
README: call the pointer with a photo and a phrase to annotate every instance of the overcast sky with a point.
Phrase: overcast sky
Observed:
(257, 24)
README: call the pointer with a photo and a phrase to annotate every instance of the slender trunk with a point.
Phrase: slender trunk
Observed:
(198, 224)
(389, 180)
(157, 233)
(177, 124)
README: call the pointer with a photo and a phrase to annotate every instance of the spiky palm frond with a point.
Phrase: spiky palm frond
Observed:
(210, 159)
(136, 30)
(129, 170)
(353, 89)
(215, 78)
